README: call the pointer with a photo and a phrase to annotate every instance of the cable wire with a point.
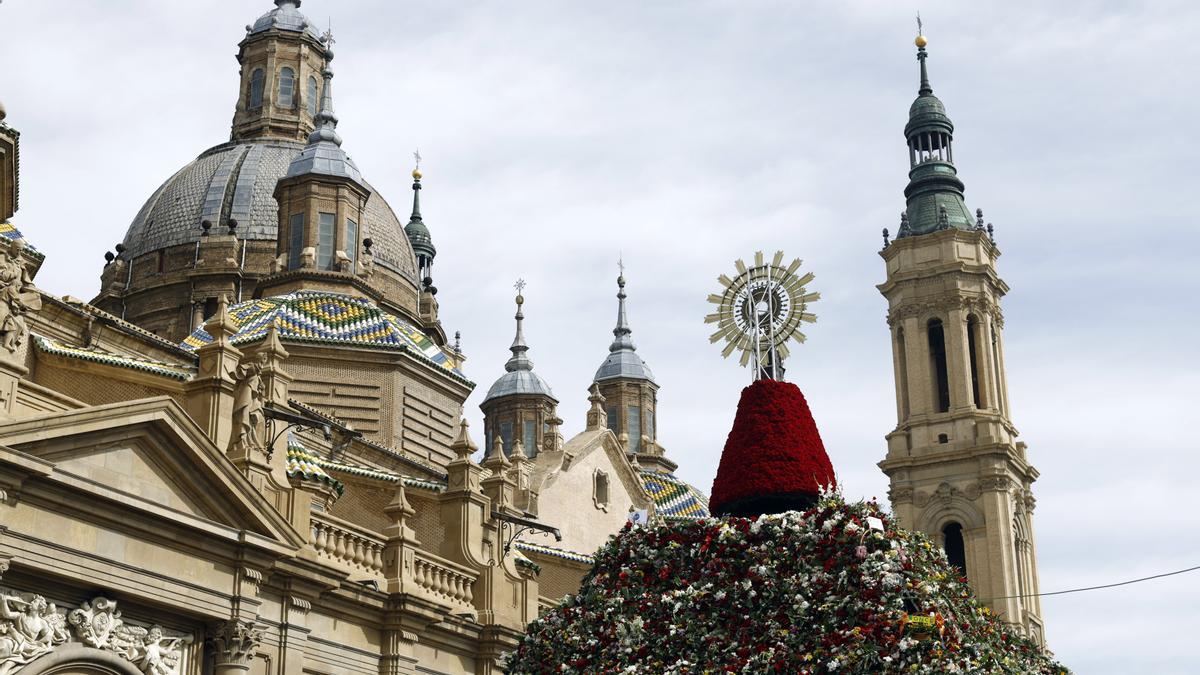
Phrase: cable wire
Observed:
(1094, 588)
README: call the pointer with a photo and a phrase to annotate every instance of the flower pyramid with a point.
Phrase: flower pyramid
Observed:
(791, 580)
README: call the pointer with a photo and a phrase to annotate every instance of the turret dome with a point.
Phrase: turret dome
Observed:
(285, 16)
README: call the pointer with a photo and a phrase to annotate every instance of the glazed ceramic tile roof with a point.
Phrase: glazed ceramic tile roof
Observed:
(674, 498)
(332, 318)
(96, 355)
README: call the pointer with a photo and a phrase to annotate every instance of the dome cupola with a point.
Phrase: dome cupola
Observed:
(935, 192)
(520, 402)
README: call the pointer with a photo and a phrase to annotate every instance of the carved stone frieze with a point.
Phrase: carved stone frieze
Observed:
(30, 628)
(995, 483)
(903, 494)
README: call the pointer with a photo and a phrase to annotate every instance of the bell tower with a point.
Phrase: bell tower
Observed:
(957, 472)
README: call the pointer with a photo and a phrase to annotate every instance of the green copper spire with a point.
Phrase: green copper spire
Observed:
(934, 192)
(418, 233)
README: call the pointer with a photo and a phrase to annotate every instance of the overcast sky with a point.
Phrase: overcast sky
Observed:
(683, 135)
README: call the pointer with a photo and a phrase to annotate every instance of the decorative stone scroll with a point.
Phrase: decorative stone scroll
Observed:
(30, 628)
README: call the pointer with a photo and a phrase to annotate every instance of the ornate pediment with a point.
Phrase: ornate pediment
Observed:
(148, 456)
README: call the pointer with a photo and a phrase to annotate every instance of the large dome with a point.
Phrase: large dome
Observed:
(237, 180)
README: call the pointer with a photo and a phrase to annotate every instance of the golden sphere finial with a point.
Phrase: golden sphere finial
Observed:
(921, 41)
(416, 174)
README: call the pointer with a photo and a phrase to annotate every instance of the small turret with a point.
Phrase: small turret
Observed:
(520, 403)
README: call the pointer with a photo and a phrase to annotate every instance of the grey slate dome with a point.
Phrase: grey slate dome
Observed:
(285, 16)
(237, 180)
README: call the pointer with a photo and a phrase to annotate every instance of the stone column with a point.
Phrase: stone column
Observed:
(958, 362)
(916, 344)
(234, 644)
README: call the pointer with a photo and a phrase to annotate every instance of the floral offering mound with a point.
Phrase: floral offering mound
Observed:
(774, 459)
(835, 589)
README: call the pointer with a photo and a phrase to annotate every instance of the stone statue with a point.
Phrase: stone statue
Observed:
(29, 628)
(248, 406)
(18, 296)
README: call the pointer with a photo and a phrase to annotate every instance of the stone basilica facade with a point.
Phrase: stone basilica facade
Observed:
(247, 453)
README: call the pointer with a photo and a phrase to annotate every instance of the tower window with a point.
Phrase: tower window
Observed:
(635, 428)
(613, 422)
(287, 87)
(325, 241)
(956, 550)
(257, 79)
(351, 238)
(650, 426)
(312, 96)
(296, 237)
(530, 439)
(937, 358)
(506, 436)
(972, 346)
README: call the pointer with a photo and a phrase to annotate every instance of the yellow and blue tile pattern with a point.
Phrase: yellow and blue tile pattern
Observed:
(318, 316)
(674, 498)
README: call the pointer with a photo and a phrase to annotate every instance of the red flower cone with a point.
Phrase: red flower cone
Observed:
(774, 460)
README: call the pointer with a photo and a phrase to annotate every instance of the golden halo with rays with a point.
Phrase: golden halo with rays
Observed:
(764, 303)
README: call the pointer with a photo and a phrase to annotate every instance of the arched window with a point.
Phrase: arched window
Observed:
(956, 549)
(257, 78)
(600, 495)
(287, 87)
(972, 347)
(312, 96)
(937, 365)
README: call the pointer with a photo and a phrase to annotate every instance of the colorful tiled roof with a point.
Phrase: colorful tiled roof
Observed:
(10, 231)
(541, 549)
(317, 466)
(96, 355)
(330, 318)
(674, 498)
(303, 464)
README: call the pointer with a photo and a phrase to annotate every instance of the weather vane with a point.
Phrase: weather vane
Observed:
(920, 26)
(759, 310)
(621, 264)
(520, 286)
(417, 157)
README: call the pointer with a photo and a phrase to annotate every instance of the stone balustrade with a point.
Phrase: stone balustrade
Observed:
(443, 580)
(347, 545)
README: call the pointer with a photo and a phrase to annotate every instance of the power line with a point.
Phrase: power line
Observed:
(1093, 588)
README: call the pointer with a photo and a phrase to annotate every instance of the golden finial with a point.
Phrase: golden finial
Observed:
(416, 174)
(921, 41)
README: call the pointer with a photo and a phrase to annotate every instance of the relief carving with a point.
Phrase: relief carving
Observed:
(30, 628)
(995, 483)
(18, 296)
(904, 494)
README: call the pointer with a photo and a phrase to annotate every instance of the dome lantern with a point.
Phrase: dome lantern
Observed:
(520, 404)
